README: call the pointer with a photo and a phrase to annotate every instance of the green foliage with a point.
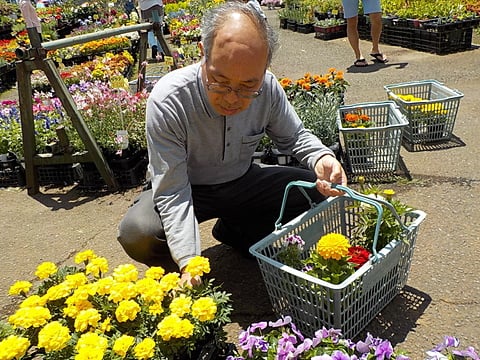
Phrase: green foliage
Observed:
(426, 9)
(319, 114)
(329, 270)
(390, 228)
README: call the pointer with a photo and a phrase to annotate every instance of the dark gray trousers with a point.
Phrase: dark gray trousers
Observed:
(246, 208)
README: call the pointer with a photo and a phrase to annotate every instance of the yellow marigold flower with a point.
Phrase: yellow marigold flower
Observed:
(204, 309)
(73, 309)
(144, 285)
(181, 305)
(57, 292)
(145, 349)
(86, 318)
(13, 347)
(331, 70)
(84, 256)
(172, 326)
(44, 270)
(155, 308)
(389, 194)
(125, 273)
(20, 287)
(91, 346)
(198, 266)
(53, 337)
(104, 285)
(155, 272)
(122, 344)
(76, 280)
(127, 310)
(32, 301)
(106, 326)
(169, 281)
(30, 317)
(152, 293)
(97, 266)
(122, 291)
(333, 246)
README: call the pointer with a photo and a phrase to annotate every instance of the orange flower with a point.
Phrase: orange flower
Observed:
(332, 70)
(351, 117)
(323, 80)
(285, 82)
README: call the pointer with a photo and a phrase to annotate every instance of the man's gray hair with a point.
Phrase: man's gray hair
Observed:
(217, 16)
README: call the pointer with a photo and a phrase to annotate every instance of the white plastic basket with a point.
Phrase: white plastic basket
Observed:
(374, 151)
(351, 305)
(430, 120)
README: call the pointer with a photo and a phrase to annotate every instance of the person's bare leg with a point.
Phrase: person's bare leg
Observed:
(375, 32)
(353, 36)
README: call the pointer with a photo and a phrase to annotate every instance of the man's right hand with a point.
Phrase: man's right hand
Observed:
(188, 280)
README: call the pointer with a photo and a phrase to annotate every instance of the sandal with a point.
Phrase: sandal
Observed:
(360, 63)
(379, 57)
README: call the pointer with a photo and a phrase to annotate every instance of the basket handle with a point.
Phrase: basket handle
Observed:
(301, 186)
(377, 203)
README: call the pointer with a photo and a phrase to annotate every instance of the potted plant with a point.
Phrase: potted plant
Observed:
(77, 311)
(282, 339)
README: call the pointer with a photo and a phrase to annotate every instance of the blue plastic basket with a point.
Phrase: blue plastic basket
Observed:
(430, 120)
(372, 152)
(313, 303)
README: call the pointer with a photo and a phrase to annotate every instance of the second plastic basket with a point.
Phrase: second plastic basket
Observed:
(373, 151)
(313, 303)
(430, 108)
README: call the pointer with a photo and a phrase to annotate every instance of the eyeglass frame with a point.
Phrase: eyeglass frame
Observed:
(229, 89)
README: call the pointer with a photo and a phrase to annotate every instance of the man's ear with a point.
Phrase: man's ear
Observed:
(200, 46)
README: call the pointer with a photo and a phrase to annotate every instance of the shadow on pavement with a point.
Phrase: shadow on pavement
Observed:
(376, 66)
(399, 317)
(242, 278)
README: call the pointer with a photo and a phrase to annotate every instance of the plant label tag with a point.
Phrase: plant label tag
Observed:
(122, 139)
(117, 82)
(168, 60)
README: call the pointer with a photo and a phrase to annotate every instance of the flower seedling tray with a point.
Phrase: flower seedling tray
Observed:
(12, 172)
(59, 175)
(313, 303)
(129, 173)
(372, 152)
(330, 32)
(430, 120)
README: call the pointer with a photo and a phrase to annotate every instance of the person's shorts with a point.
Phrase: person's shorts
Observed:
(350, 7)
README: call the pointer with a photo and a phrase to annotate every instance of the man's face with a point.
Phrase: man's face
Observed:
(234, 72)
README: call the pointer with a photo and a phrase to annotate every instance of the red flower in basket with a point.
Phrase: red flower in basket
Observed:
(358, 255)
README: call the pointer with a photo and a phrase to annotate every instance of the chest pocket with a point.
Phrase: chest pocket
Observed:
(249, 145)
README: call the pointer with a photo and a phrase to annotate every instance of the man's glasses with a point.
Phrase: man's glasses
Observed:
(225, 89)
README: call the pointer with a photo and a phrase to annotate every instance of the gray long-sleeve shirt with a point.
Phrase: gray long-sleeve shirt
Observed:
(188, 143)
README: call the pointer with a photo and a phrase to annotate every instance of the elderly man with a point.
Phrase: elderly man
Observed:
(204, 122)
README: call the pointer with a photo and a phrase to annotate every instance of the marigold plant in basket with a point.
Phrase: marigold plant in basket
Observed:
(333, 259)
(357, 120)
(83, 313)
(390, 228)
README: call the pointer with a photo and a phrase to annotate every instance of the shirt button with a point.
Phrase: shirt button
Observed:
(229, 128)
(228, 144)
